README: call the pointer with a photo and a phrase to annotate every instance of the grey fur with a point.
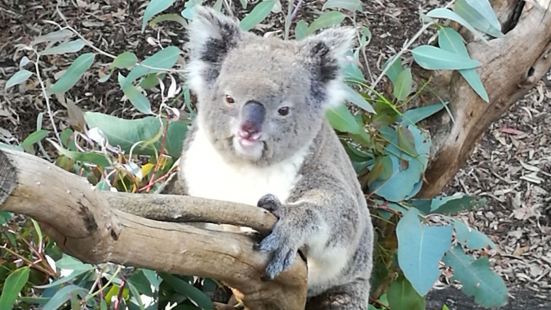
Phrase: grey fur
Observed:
(326, 199)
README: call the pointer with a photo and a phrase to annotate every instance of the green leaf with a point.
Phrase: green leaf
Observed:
(480, 15)
(258, 14)
(65, 47)
(342, 120)
(352, 72)
(125, 60)
(402, 296)
(125, 133)
(325, 20)
(161, 60)
(451, 15)
(456, 203)
(403, 85)
(406, 141)
(188, 290)
(434, 58)
(420, 249)
(451, 40)
(478, 280)
(169, 17)
(415, 115)
(13, 285)
(407, 167)
(351, 5)
(153, 8)
(471, 237)
(138, 100)
(98, 159)
(5, 216)
(394, 66)
(301, 30)
(64, 295)
(33, 138)
(73, 73)
(18, 78)
(64, 279)
(68, 262)
(356, 98)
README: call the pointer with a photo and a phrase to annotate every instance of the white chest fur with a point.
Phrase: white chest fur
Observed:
(208, 175)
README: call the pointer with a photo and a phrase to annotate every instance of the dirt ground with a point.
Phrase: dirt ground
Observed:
(511, 166)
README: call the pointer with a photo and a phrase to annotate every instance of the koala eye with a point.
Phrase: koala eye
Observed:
(229, 100)
(283, 111)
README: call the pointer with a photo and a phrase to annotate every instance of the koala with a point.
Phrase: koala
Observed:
(260, 138)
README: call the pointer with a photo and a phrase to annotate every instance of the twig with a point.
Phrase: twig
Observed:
(45, 94)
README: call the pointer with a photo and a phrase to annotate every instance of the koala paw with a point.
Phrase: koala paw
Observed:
(282, 242)
(272, 204)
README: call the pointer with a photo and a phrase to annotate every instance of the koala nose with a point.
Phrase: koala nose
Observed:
(252, 117)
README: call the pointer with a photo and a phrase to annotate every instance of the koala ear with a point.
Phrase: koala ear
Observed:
(325, 54)
(211, 36)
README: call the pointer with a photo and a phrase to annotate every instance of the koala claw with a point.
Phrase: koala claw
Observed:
(270, 203)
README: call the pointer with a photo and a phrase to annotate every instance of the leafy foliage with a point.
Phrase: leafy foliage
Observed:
(388, 150)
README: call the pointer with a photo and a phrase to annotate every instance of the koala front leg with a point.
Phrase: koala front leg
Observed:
(288, 235)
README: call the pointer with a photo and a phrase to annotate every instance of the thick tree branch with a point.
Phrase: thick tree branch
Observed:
(91, 226)
(511, 65)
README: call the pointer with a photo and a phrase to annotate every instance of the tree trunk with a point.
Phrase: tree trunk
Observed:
(511, 65)
(91, 226)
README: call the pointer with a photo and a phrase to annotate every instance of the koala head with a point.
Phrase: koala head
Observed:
(261, 99)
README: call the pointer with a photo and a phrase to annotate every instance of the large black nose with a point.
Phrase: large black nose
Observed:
(252, 117)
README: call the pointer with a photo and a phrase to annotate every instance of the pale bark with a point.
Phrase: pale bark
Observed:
(91, 226)
(511, 65)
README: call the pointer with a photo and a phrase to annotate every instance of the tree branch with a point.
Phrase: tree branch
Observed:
(91, 226)
(511, 65)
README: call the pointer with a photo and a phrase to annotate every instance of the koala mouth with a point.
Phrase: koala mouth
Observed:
(250, 147)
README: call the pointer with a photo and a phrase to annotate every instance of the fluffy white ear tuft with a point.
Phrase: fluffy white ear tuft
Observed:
(338, 40)
(211, 27)
(324, 55)
(211, 36)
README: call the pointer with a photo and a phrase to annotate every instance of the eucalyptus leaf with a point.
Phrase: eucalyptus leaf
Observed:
(415, 115)
(407, 166)
(451, 15)
(125, 60)
(19, 77)
(257, 15)
(351, 5)
(450, 40)
(63, 295)
(471, 237)
(125, 133)
(33, 138)
(357, 99)
(393, 68)
(402, 296)
(64, 48)
(420, 249)
(301, 30)
(325, 20)
(138, 100)
(434, 58)
(12, 286)
(477, 279)
(153, 8)
(480, 15)
(73, 73)
(342, 120)
(188, 290)
(160, 61)
(403, 85)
